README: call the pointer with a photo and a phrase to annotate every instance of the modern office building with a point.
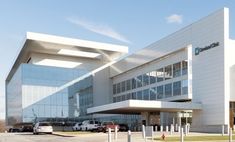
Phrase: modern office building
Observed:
(186, 77)
(35, 88)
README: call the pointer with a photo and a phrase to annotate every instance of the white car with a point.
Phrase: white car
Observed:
(90, 125)
(42, 127)
(77, 127)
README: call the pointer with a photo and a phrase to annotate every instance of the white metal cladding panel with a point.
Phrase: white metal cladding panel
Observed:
(152, 66)
(230, 59)
(208, 69)
(165, 46)
(101, 88)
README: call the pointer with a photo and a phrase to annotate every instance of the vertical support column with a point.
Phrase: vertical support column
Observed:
(143, 131)
(115, 133)
(230, 135)
(181, 135)
(185, 130)
(222, 130)
(109, 135)
(156, 128)
(129, 136)
(167, 129)
(161, 128)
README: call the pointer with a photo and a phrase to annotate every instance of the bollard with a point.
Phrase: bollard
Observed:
(109, 135)
(181, 134)
(222, 130)
(143, 131)
(156, 128)
(230, 135)
(171, 130)
(129, 136)
(188, 128)
(179, 129)
(161, 128)
(166, 128)
(185, 130)
(115, 133)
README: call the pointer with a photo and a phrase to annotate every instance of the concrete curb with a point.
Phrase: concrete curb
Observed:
(62, 135)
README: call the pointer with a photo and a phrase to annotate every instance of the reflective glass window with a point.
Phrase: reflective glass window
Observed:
(177, 69)
(123, 86)
(145, 79)
(146, 94)
(184, 67)
(160, 92)
(177, 88)
(114, 99)
(114, 89)
(118, 99)
(133, 95)
(153, 93)
(118, 88)
(123, 97)
(139, 81)
(139, 95)
(152, 77)
(168, 90)
(128, 96)
(133, 83)
(128, 85)
(168, 72)
(160, 75)
(184, 87)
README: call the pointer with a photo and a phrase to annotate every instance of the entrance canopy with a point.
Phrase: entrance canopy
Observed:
(138, 106)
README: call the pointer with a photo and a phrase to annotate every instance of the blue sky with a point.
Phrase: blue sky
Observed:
(126, 22)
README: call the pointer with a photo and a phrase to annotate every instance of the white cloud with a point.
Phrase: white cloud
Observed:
(174, 18)
(99, 28)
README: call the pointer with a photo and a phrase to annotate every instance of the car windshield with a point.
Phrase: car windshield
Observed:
(44, 124)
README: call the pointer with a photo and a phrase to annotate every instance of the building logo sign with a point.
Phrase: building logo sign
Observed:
(198, 49)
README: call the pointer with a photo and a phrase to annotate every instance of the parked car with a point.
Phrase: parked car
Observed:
(13, 130)
(106, 125)
(27, 128)
(77, 127)
(90, 125)
(123, 127)
(42, 127)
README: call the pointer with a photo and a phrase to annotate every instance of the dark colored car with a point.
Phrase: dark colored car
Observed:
(13, 130)
(123, 127)
(27, 128)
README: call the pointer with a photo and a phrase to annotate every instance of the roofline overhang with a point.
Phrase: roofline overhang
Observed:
(138, 106)
(59, 40)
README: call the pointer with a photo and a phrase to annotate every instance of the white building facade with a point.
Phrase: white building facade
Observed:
(186, 77)
(193, 65)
